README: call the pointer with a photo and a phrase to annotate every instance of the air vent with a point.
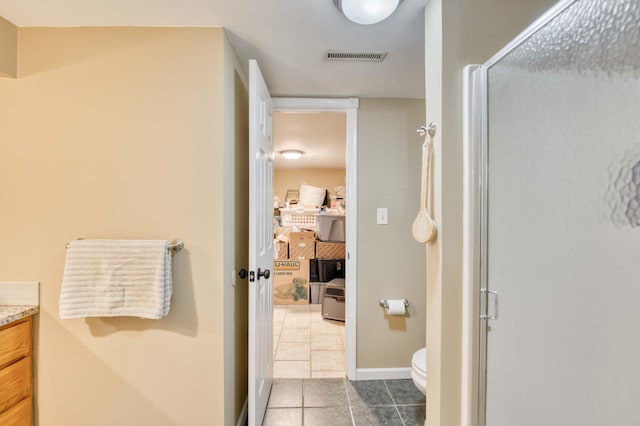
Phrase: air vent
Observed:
(334, 55)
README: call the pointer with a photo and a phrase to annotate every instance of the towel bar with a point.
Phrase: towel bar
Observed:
(175, 245)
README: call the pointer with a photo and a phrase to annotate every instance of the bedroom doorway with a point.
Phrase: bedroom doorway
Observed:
(310, 342)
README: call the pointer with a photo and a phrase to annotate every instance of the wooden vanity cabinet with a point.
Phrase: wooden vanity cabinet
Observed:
(16, 374)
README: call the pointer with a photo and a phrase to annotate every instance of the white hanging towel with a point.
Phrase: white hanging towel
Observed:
(107, 278)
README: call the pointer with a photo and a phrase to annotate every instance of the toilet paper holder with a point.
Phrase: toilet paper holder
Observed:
(385, 305)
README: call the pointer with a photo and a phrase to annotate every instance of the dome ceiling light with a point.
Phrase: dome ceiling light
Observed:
(366, 12)
(291, 154)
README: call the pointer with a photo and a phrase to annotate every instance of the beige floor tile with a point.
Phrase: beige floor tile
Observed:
(296, 317)
(297, 311)
(324, 327)
(297, 330)
(291, 370)
(326, 342)
(283, 416)
(327, 360)
(296, 322)
(298, 308)
(316, 307)
(279, 312)
(338, 374)
(316, 316)
(293, 351)
(295, 335)
(286, 393)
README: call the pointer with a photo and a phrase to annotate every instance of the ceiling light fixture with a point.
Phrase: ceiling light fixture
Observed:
(291, 154)
(366, 12)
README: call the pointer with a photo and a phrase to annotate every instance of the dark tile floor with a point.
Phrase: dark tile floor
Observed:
(336, 402)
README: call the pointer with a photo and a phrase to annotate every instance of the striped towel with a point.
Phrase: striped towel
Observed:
(107, 278)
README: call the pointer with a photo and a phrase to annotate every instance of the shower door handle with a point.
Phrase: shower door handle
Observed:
(488, 293)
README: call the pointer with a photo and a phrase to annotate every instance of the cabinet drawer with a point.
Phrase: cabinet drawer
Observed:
(20, 414)
(15, 383)
(15, 342)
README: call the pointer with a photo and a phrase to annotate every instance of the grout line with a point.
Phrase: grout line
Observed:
(310, 351)
(389, 390)
(394, 402)
(346, 388)
(302, 399)
(400, 415)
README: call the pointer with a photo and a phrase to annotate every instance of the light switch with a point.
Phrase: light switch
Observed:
(383, 216)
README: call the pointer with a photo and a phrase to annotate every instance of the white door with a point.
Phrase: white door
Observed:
(260, 245)
(563, 222)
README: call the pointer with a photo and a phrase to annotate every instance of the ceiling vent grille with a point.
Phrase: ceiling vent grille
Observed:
(334, 55)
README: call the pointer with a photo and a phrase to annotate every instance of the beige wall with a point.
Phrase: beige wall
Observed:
(458, 33)
(121, 133)
(236, 233)
(390, 263)
(8, 48)
(284, 179)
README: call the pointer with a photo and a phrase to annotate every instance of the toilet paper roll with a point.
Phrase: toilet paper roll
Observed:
(396, 307)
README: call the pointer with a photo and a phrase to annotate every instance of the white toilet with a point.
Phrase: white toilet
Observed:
(419, 369)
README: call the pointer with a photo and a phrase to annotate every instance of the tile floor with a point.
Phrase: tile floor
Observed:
(336, 402)
(305, 345)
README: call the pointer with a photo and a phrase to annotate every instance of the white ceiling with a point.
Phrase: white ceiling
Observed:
(321, 135)
(287, 37)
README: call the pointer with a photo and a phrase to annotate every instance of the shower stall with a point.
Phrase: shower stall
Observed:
(552, 216)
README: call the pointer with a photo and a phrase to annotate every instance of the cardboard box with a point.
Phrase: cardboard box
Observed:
(291, 282)
(326, 250)
(280, 250)
(282, 234)
(302, 245)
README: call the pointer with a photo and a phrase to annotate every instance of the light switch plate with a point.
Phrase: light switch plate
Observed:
(383, 216)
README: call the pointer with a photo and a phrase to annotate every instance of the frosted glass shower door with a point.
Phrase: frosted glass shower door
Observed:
(563, 220)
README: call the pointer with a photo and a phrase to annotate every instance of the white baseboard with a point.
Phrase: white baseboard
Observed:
(243, 414)
(383, 373)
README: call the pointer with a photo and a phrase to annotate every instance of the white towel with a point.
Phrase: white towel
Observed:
(106, 278)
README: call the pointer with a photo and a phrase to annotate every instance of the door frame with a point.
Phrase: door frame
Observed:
(472, 218)
(350, 106)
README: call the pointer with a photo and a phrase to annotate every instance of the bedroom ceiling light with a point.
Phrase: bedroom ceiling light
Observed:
(366, 12)
(291, 154)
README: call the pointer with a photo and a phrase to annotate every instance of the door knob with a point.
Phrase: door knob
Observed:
(266, 273)
(243, 273)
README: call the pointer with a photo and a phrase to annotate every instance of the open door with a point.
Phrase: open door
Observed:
(260, 245)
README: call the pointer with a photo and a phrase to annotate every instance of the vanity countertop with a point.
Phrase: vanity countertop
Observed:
(11, 313)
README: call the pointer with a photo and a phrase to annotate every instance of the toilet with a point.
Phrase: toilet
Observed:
(419, 369)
